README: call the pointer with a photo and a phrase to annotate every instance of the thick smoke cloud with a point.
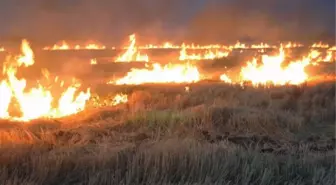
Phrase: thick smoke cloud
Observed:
(110, 21)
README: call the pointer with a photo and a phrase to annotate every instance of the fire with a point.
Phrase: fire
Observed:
(99, 102)
(317, 56)
(65, 46)
(132, 53)
(36, 102)
(262, 46)
(194, 47)
(225, 78)
(271, 71)
(93, 61)
(171, 73)
(2, 49)
(332, 48)
(292, 45)
(330, 56)
(320, 45)
(120, 99)
(6, 95)
(94, 47)
(166, 45)
(208, 55)
(238, 45)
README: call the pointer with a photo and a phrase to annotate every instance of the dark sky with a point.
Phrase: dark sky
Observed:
(204, 21)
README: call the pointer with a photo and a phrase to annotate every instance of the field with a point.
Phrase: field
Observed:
(194, 131)
(214, 133)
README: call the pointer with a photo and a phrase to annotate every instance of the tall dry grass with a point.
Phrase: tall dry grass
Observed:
(213, 134)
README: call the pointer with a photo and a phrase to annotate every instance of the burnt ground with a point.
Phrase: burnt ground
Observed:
(213, 134)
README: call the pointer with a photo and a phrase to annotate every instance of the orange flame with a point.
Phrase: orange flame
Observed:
(132, 53)
(65, 46)
(292, 45)
(120, 99)
(225, 78)
(171, 73)
(271, 71)
(37, 102)
(317, 56)
(320, 45)
(208, 55)
(93, 61)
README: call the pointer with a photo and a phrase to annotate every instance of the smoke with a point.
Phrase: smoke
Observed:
(111, 21)
(106, 20)
(264, 20)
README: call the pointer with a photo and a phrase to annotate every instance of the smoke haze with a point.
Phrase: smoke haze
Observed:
(202, 21)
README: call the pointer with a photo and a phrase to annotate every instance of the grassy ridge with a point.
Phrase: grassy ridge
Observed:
(214, 134)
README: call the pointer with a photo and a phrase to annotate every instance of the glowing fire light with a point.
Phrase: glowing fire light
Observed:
(262, 46)
(271, 71)
(94, 47)
(93, 61)
(317, 56)
(36, 102)
(65, 46)
(225, 78)
(291, 45)
(166, 45)
(320, 45)
(171, 73)
(208, 55)
(132, 53)
(120, 99)
(238, 45)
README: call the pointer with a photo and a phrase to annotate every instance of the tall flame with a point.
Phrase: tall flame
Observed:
(132, 53)
(271, 71)
(35, 102)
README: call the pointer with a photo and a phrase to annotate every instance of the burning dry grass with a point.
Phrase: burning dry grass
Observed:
(173, 131)
(211, 134)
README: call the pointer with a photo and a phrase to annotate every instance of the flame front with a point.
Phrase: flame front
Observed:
(35, 102)
(208, 55)
(171, 73)
(132, 53)
(65, 46)
(271, 71)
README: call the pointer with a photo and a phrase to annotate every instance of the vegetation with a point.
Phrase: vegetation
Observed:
(212, 134)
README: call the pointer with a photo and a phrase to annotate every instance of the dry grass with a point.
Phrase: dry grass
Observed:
(214, 134)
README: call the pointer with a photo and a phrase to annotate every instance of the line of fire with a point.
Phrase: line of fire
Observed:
(58, 88)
